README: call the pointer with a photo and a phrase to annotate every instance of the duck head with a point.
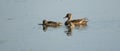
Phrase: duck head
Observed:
(68, 15)
(44, 22)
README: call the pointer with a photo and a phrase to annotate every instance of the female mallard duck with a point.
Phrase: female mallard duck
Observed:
(76, 21)
(51, 23)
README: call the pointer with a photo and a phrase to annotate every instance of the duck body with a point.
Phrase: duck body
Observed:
(77, 21)
(81, 21)
(51, 23)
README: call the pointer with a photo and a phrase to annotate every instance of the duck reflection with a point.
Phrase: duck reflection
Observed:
(69, 28)
(45, 27)
(51, 24)
(81, 27)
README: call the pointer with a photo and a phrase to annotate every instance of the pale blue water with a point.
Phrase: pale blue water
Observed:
(19, 29)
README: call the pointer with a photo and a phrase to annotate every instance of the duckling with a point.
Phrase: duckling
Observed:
(76, 21)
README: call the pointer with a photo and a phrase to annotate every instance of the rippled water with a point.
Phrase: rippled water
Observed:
(19, 29)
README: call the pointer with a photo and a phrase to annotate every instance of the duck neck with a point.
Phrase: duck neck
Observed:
(44, 22)
(69, 18)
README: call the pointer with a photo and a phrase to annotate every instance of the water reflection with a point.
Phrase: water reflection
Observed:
(45, 27)
(69, 29)
(72, 27)
(81, 27)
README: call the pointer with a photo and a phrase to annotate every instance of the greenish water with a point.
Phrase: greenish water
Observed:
(19, 29)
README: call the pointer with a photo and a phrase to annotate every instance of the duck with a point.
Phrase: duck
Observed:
(51, 23)
(81, 21)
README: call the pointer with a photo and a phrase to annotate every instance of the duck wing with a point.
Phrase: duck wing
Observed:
(76, 20)
(51, 22)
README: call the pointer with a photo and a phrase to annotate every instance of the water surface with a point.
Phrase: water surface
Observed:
(19, 29)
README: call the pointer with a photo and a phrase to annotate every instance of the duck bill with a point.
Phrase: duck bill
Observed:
(65, 17)
(40, 24)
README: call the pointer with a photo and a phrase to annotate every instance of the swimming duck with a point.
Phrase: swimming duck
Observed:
(51, 23)
(81, 21)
